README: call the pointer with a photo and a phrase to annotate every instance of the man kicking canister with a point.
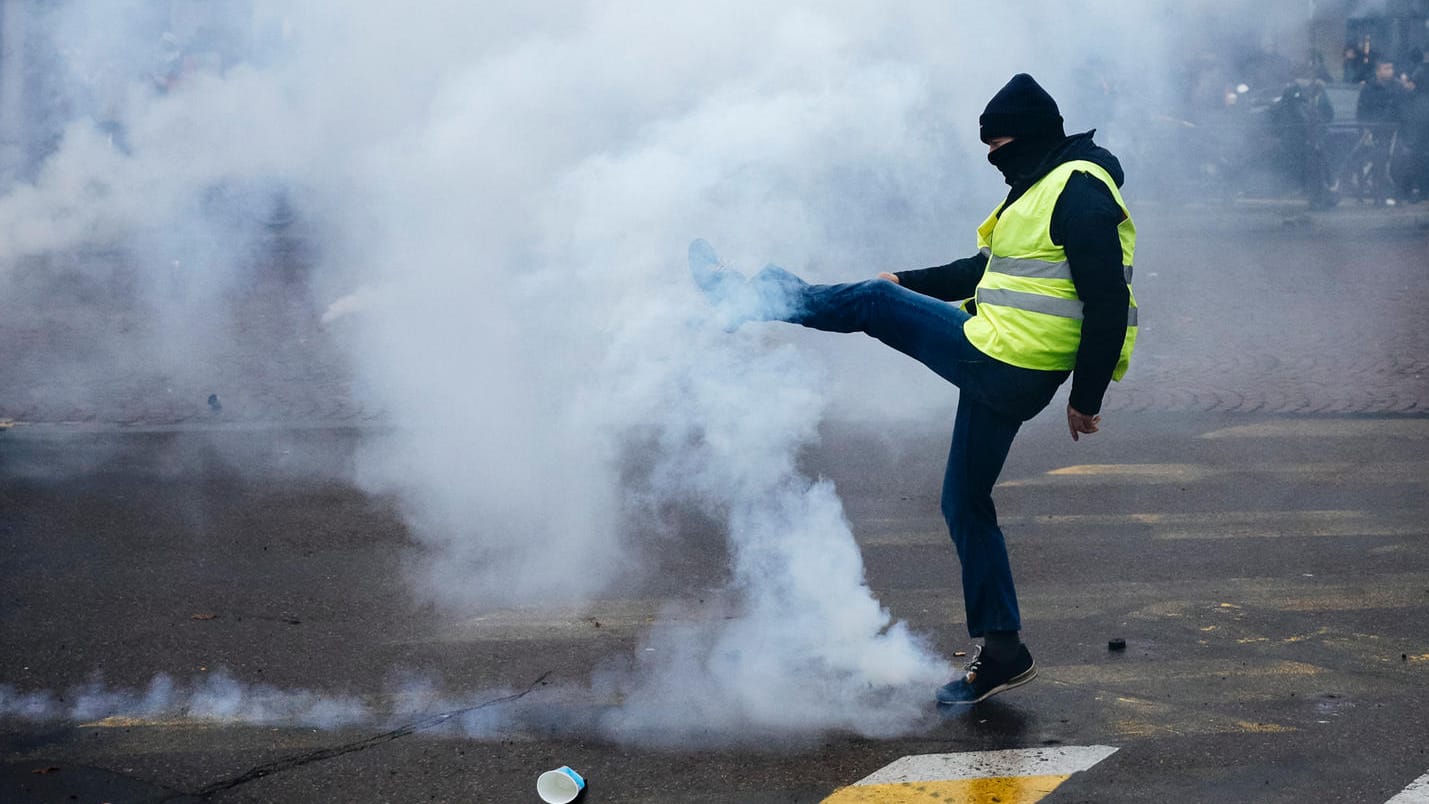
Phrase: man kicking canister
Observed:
(1047, 296)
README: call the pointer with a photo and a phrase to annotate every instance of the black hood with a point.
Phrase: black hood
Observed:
(1022, 109)
(1073, 148)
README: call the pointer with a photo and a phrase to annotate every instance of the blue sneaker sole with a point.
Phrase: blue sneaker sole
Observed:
(704, 265)
(1016, 681)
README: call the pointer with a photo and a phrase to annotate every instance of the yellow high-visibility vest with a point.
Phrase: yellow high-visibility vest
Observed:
(1028, 311)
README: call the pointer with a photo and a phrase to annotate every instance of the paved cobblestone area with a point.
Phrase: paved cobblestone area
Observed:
(1273, 311)
(1244, 308)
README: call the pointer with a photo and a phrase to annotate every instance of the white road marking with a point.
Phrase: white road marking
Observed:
(1411, 472)
(1163, 525)
(1327, 428)
(1055, 761)
(1416, 793)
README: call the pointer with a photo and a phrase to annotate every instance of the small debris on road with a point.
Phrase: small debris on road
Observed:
(214, 403)
(203, 615)
(1116, 644)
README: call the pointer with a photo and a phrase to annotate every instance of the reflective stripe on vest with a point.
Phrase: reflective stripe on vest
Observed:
(1038, 303)
(1028, 311)
(1041, 269)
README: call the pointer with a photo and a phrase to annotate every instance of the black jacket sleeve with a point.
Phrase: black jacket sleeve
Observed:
(1084, 222)
(952, 282)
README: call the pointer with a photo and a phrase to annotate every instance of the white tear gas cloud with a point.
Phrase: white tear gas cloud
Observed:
(218, 697)
(501, 198)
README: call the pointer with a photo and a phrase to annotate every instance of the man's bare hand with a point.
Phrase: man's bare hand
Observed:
(1080, 423)
(890, 277)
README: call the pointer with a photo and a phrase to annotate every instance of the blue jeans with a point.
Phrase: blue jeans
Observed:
(994, 399)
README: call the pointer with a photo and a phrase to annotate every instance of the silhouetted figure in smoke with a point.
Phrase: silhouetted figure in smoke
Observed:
(1380, 99)
(1047, 296)
(1377, 110)
(1298, 120)
(1360, 60)
(1410, 166)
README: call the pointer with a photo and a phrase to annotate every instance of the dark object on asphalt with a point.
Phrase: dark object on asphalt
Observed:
(1116, 644)
(214, 403)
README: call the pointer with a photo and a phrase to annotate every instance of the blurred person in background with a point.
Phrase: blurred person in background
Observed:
(1410, 166)
(1298, 120)
(1360, 61)
(1378, 112)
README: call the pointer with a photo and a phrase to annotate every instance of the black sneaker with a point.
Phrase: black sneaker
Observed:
(987, 676)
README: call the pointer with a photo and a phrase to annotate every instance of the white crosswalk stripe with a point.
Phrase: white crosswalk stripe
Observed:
(1416, 793)
(1014, 776)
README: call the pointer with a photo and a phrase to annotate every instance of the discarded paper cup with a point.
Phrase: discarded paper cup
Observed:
(559, 786)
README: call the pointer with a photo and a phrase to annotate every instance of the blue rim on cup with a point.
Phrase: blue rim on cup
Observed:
(559, 786)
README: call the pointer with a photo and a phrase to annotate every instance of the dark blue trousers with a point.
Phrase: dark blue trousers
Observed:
(994, 399)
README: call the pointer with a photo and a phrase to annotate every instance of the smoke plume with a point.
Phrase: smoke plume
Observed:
(498, 201)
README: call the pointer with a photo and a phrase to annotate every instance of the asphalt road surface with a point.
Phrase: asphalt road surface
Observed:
(1253, 521)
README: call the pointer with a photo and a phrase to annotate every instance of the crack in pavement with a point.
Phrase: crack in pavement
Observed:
(299, 760)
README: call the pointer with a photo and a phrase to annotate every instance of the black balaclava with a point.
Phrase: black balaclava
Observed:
(1023, 110)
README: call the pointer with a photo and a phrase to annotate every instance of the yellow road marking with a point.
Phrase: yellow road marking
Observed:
(1173, 471)
(1139, 717)
(1100, 675)
(1264, 728)
(1180, 525)
(1327, 428)
(1142, 728)
(1292, 531)
(1157, 473)
(598, 619)
(995, 790)
(1391, 591)
(128, 721)
(1197, 518)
